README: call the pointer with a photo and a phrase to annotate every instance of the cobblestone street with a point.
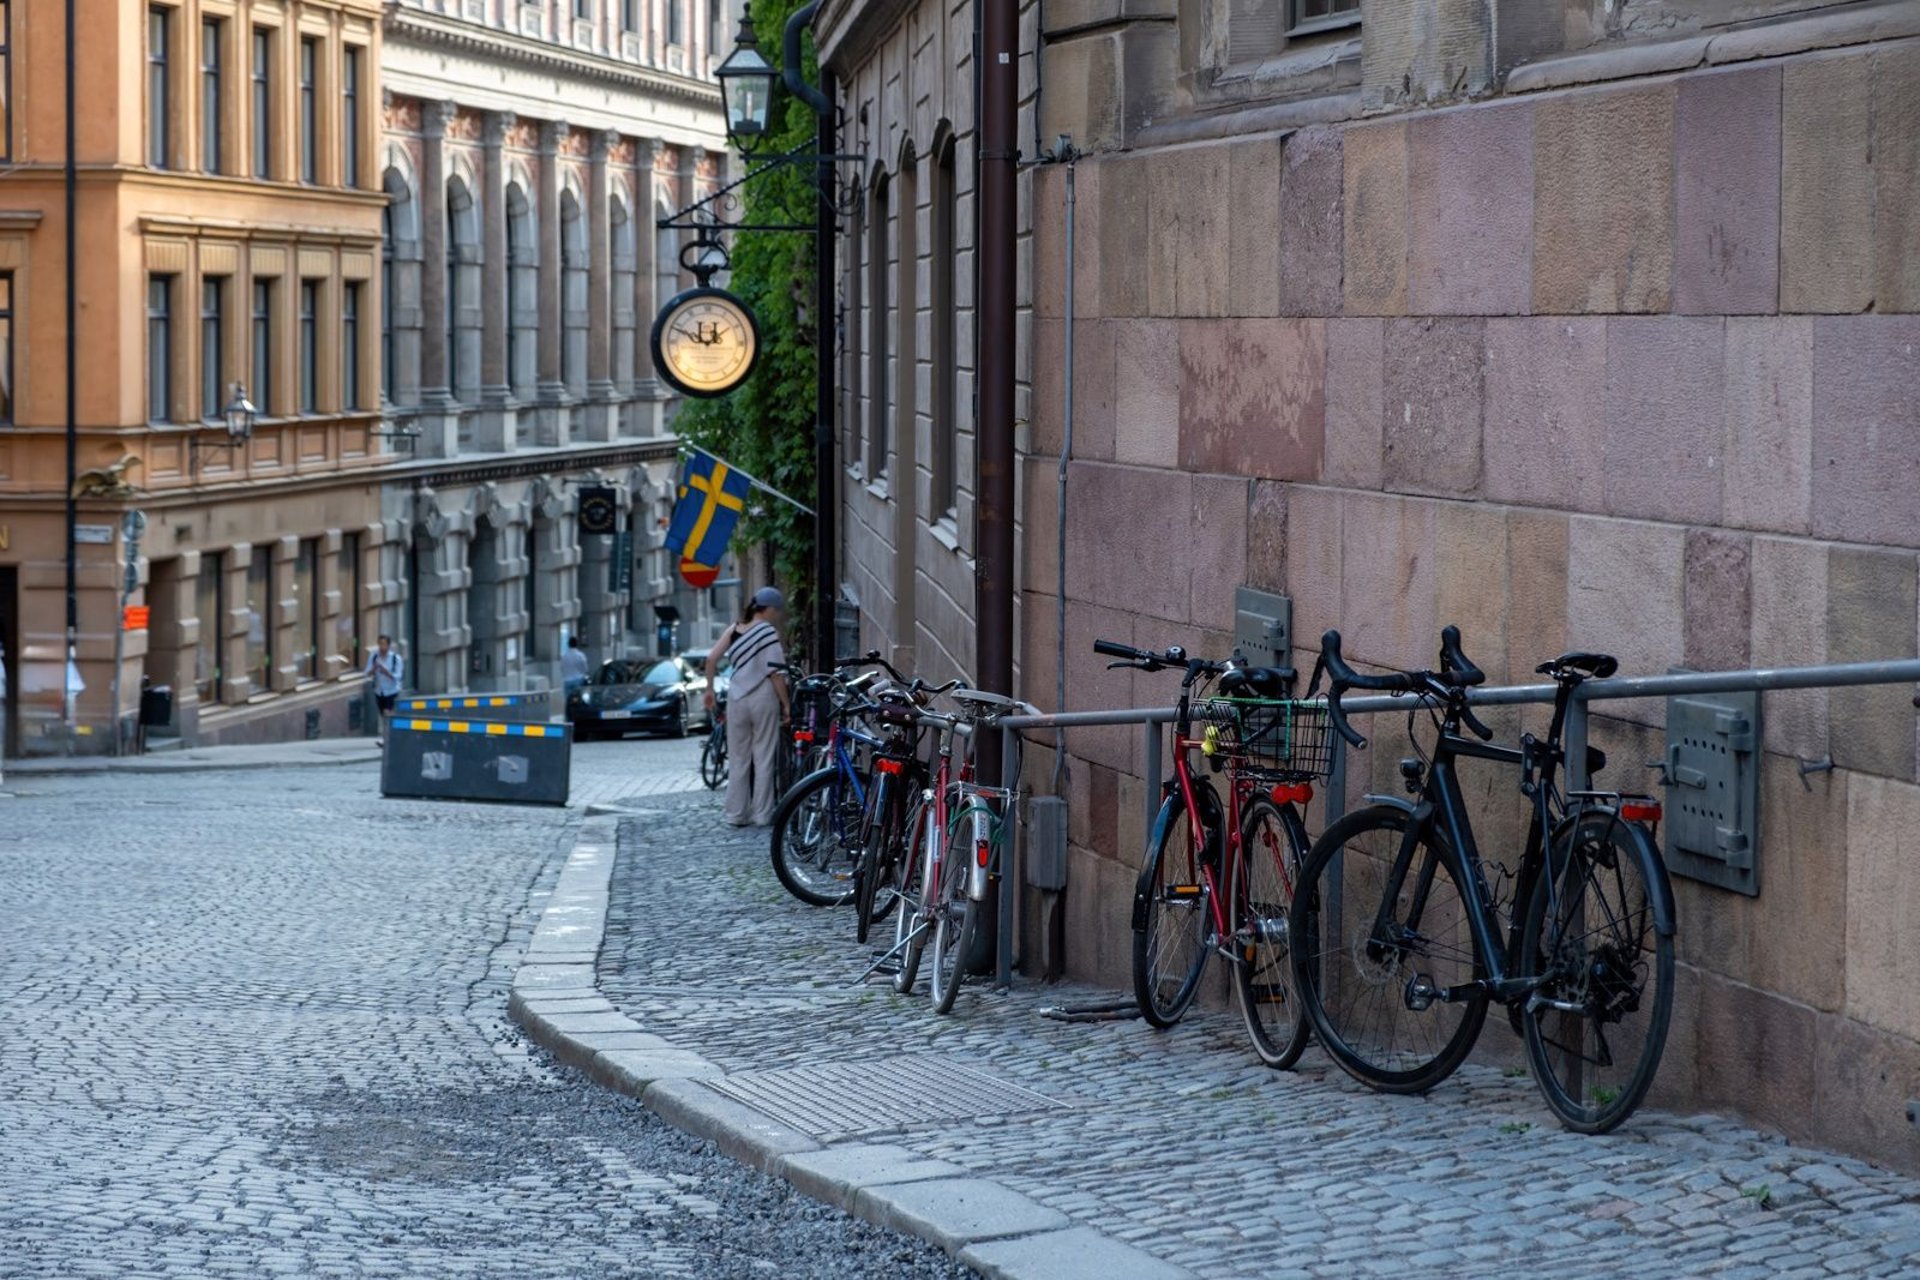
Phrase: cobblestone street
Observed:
(1181, 1144)
(254, 1024)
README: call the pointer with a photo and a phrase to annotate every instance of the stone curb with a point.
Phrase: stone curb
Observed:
(89, 766)
(999, 1232)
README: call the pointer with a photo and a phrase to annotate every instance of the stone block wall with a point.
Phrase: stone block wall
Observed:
(1631, 366)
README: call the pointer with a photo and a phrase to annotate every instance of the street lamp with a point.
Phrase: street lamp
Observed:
(746, 83)
(239, 414)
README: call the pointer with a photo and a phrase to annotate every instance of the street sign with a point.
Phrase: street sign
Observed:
(134, 617)
(102, 534)
(620, 568)
(698, 575)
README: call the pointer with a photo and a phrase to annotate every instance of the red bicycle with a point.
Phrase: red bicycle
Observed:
(1220, 870)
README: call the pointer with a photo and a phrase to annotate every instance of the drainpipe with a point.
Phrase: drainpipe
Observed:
(1064, 151)
(68, 712)
(998, 226)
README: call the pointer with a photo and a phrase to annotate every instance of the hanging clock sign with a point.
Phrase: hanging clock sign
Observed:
(705, 342)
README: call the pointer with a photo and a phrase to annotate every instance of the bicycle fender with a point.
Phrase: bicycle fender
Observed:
(1394, 802)
(1143, 887)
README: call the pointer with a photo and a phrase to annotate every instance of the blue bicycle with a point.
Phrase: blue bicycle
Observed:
(820, 827)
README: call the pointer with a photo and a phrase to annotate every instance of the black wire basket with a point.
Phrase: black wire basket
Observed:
(1287, 740)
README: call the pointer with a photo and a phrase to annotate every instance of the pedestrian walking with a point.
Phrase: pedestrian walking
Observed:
(385, 668)
(756, 706)
(573, 666)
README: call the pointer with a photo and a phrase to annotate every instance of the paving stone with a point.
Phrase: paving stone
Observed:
(956, 1212)
(833, 1174)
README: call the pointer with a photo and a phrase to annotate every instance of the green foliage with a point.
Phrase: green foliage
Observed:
(765, 426)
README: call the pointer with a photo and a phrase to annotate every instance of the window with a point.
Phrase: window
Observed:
(6, 348)
(262, 389)
(348, 624)
(879, 278)
(211, 31)
(306, 607)
(1307, 16)
(629, 15)
(260, 617)
(309, 346)
(350, 115)
(159, 89)
(309, 111)
(350, 345)
(159, 348)
(213, 346)
(583, 8)
(945, 357)
(6, 81)
(210, 607)
(262, 103)
(677, 22)
(386, 303)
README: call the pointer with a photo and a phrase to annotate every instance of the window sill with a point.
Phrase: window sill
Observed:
(946, 532)
(879, 489)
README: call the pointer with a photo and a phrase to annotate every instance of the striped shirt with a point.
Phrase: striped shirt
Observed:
(753, 655)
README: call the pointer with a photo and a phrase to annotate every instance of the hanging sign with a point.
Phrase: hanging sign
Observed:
(705, 341)
(699, 575)
(599, 509)
(134, 617)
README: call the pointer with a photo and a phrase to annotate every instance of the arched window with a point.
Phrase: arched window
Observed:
(523, 287)
(945, 361)
(573, 293)
(400, 291)
(463, 292)
(879, 327)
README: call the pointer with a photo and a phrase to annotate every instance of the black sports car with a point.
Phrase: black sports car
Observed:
(664, 695)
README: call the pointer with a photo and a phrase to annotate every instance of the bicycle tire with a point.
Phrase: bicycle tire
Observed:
(1594, 965)
(1262, 892)
(713, 760)
(804, 856)
(909, 945)
(1370, 1011)
(873, 850)
(1170, 914)
(953, 933)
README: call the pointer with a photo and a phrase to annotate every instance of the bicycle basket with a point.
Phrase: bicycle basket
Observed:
(1287, 739)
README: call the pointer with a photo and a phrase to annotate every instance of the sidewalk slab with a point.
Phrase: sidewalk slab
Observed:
(837, 1174)
(749, 1136)
(631, 1071)
(956, 1212)
(1077, 1253)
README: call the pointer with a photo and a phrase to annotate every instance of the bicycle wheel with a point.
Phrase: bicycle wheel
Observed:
(872, 893)
(909, 937)
(713, 760)
(1171, 917)
(1268, 867)
(1593, 931)
(1362, 935)
(956, 919)
(808, 855)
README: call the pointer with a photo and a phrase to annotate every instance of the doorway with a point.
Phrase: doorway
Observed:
(10, 658)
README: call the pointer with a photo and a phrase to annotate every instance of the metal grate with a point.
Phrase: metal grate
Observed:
(870, 1097)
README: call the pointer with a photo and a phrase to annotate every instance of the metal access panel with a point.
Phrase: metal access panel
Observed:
(1713, 789)
(529, 708)
(1046, 852)
(1263, 627)
(477, 760)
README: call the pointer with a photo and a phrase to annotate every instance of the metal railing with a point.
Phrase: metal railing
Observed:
(1574, 735)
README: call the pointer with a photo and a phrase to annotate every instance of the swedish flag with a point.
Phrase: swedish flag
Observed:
(712, 496)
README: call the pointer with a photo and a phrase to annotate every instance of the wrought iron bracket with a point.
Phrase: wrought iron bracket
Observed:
(709, 214)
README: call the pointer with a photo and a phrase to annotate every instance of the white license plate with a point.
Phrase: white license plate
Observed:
(616, 715)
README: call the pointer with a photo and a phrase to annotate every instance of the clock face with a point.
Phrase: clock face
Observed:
(704, 342)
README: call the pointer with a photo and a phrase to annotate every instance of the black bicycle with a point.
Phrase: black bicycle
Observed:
(713, 753)
(1398, 946)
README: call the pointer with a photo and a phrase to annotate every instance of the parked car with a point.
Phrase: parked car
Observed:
(662, 695)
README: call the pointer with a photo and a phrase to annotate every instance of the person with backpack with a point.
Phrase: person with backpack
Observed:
(756, 706)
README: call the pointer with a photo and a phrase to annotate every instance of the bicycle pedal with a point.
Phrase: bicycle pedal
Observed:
(1421, 993)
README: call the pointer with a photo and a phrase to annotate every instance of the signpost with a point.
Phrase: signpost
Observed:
(133, 527)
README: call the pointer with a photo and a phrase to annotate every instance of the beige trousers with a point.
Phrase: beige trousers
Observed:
(753, 739)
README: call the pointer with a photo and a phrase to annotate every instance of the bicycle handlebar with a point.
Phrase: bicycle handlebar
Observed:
(872, 658)
(1457, 673)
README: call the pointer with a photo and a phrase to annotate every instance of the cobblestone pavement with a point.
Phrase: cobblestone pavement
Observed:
(1182, 1144)
(253, 1023)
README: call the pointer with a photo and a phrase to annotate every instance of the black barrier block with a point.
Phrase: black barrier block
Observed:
(514, 708)
(476, 760)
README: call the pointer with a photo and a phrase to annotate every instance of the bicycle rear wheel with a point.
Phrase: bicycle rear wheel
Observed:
(876, 881)
(956, 919)
(713, 759)
(1591, 928)
(1267, 870)
(808, 855)
(1363, 930)
(909, 933)
(1172, 917)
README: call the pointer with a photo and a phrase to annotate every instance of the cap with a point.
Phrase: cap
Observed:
(769, 598)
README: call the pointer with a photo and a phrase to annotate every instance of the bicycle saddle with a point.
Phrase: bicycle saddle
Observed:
(1258, 682)
(1597, 665)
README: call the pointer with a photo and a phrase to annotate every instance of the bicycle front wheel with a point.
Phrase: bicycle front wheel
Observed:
(1595, 1031)
(1269, 865)
(1376, 929)
(956, 919)
(808, 855)
(1171, 918)
(713, 760)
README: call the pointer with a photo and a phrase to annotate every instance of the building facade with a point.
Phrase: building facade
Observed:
(526, 155)
(1580, 325)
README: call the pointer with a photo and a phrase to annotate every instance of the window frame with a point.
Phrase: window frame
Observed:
(210, 685)
(160, 149)
(9, 390)
(350, 388)
(308, 72)
(213, 347)
(262, 560)
(879, 346)
(306, 607)
(261, 79)
(307, 326)
(160, 287)
(942, 297)
(213, 38)
(261, 331)
(677, 23)
(352, 70)
(1338, 18)
(6, 81)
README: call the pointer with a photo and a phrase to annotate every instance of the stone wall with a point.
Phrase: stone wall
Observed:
(1628, 366)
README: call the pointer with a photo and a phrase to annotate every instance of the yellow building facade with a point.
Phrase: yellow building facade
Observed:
(227, 239)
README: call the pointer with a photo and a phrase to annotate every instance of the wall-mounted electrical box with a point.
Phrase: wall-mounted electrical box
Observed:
(1712, 771)
(1263, 627)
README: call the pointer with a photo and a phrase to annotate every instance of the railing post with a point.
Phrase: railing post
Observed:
(1153, 767)
(1009, 859)
(1574, 743)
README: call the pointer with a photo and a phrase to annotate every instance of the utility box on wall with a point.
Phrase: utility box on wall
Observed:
(1712, 769)
(1263, 627)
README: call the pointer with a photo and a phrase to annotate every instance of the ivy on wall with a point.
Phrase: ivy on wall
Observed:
(765, 426)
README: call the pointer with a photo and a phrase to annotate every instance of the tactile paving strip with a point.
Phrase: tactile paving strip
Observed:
(870, 1097)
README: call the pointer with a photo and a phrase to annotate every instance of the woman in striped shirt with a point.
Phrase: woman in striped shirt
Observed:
(756, 706)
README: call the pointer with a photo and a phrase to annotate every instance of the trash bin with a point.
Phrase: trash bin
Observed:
(156, 706)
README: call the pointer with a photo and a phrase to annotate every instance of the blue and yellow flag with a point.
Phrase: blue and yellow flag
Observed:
(712, 496)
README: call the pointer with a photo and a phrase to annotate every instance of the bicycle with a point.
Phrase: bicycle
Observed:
(713, 753)
(947, 917)
(898, 773)
(818, 826)
(1219, 876)
(1400, 949)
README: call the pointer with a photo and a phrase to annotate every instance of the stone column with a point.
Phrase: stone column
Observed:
(494, 426)
(551, 428)
(644, 420)
(439, 420)
(599, 423)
